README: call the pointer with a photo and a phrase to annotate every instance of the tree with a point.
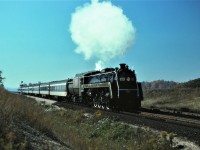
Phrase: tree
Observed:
(1, 80)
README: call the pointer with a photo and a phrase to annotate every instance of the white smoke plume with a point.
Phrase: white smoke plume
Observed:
(101, 31)
(99, 65)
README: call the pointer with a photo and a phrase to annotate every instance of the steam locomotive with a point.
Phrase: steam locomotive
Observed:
(110, 88)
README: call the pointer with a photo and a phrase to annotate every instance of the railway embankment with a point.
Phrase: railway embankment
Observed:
(26, 124)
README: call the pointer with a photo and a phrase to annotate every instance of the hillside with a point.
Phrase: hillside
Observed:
(190, 84)
(162, 84)
(159, 84)
(181, 96)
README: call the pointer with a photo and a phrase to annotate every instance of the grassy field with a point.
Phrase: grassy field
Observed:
(77, 129)
(176, 98)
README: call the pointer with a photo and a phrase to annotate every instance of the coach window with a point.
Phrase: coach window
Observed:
(62, 87)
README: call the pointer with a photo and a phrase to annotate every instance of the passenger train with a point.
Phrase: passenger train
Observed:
(110, 88)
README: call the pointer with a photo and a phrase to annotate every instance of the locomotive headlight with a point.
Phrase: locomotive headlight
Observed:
(128, 79)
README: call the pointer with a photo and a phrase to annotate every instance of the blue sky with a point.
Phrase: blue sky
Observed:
(36, 45)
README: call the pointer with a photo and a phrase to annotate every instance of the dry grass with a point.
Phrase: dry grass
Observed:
(185, 99)
(73, 128)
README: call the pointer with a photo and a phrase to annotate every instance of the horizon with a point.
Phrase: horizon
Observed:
(14, 89)
(36, 43)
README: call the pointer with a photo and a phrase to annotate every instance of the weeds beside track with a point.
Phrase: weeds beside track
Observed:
(71, 127)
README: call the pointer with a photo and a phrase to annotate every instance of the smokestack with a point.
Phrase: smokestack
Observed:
(122, 66)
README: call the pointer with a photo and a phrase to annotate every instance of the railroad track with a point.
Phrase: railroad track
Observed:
(185, 120)
(172, 112)
(182, 126)
(153, 114)
(172, 119)
(191, 119)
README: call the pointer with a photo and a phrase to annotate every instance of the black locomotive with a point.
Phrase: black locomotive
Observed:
(110, 88)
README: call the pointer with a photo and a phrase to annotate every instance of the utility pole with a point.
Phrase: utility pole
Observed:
(1, 80)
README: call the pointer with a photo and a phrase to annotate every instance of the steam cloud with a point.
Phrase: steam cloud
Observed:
(101, 31)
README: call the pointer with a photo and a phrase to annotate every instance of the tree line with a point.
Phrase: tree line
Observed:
(1, 79)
